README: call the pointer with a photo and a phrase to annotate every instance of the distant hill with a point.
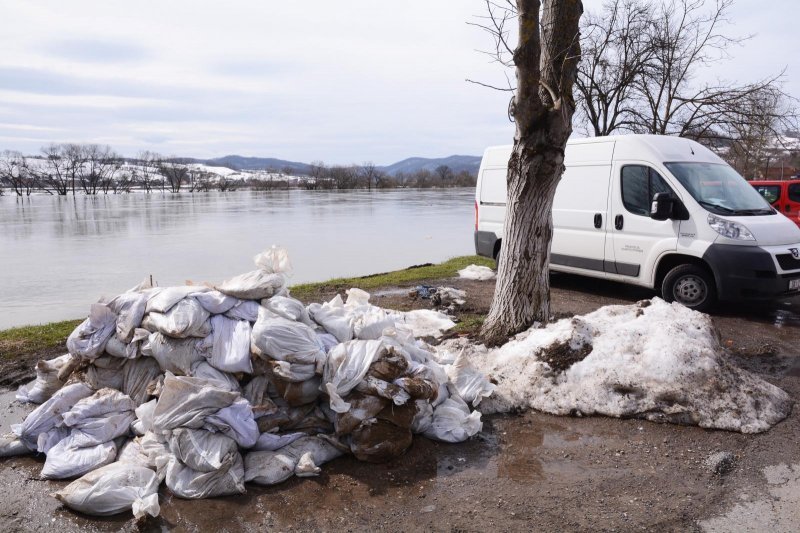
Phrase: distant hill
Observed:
(457, 163)
(238, 162)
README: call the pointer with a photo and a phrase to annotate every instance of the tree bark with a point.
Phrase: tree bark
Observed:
(546, 61)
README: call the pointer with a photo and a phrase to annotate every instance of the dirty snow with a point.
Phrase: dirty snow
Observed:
(480, 273)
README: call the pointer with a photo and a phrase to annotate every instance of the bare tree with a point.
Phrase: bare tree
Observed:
(100, 163)
(369, 174)
(545, 58)
(55, 174)
(174, 172)
(445, 173)
(147, 170)
(14, 173)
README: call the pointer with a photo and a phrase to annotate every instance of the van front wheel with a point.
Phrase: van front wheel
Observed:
(690, 285)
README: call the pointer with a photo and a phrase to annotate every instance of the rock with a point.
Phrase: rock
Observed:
(720, 463)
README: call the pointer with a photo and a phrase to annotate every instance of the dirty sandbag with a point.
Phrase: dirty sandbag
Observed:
(132, 349)
(293, 372)
(362, 407)
(333, 318)
(452, 421)
(389, 366)
(89, 339)
(285, 340)
(403, 341)
(230, 351)
(132, 453)
(423, 418)
(236, 421)
(103, 416)
(418, 388)
(449, 297)
(271, 467)
(175, 355)
(144, 417)
(214, 301)
(105, 372)
(11, 445)
(253, 285)
(188, 483)
(113, 489)
(300, 392)
(399, 415)
(46, 382)
(378, 441)
(269, 442)
(137, 375)
(384, 389)
(129, 308)
(289, 308)
(274, 259)
(203, 450)
(244, 310)
(258, 391)
(284, 417)
(346, 366)
(162, 300)
(66, 459)
(186, 318)
(471, 384)
(314, 423)
(203, 370)
(186, 401)
(48, 415)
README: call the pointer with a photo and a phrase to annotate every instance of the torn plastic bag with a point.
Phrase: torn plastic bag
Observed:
(89, 339)
(11, 445)
(427, 323)
(214, 301)
(452, 421)
(244, 310)
(424, 417)
(185, 482)
(144, 417)
(378, 441)
(187, 318)
(370, 322)
(66, 460)
(293, 372)
(129, 308)
(269, 442)
(137, 375)
(288, 308)
(404, 342)
(105, 372)
(362, 407)
(471, 384)
(271, 467)
(163, 299)
(113, 489)
(203, 450)
(333, 317)
(230, 351)
(254, 285)
(235, 421)
(175, 355)
(384, 389)
(203, 370)
(298, 393)
(48, 415)
(346, 366)
(46, 382)
(285, 340)
(102, 417)
(186, 402)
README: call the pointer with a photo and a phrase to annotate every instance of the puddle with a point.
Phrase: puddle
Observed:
(390, 292)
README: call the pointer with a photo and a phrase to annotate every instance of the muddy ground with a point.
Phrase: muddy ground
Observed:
(529, 471)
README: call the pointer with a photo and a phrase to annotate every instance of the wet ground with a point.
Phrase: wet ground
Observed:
(524, 472)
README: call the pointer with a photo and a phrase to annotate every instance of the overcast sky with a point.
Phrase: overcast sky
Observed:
(338, 80)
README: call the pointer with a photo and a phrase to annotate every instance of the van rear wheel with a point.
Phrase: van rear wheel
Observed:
(691, 286)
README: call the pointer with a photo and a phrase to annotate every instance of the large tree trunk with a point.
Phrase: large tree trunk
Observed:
(546, 66)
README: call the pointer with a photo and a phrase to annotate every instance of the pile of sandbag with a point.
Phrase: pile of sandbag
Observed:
(206, 388)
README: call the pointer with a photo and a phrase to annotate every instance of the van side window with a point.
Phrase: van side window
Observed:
(639, 185)
(794, 192)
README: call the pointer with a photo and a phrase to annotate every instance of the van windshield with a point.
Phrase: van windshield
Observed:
(719, 189)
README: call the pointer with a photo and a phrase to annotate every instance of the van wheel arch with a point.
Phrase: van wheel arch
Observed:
(496, 251)
(672, 261)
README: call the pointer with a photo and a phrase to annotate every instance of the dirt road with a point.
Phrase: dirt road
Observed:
(525, 472)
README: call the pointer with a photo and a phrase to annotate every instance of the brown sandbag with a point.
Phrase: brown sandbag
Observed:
(419, 388)
(362, 407)
(389, 366)
(299, 393)
(379, 441)
(399, 415)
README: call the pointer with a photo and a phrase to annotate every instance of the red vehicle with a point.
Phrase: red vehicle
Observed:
(783, 195)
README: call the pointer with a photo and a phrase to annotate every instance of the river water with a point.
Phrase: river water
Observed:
(60, 254)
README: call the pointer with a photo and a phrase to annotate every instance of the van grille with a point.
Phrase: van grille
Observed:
(787, 262)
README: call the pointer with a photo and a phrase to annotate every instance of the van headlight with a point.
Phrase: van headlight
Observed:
(730, 229)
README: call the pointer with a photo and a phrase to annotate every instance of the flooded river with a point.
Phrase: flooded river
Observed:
(59, 254)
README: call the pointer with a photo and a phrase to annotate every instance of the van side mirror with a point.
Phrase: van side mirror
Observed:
(661, 208)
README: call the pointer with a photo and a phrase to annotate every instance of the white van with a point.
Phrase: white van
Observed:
(660, 212)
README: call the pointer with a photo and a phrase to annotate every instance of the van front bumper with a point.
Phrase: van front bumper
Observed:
(749, 272)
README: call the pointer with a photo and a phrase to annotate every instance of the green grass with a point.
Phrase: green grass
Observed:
(25, 340)
(448, 269)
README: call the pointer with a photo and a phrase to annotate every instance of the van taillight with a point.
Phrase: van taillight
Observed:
(476, 215)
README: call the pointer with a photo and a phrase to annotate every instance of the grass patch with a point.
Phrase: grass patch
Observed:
(26, 340)
(448, 269)
(469, 324)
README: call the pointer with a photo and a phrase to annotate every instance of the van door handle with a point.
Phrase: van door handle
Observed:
(618, 222)
(598, 220)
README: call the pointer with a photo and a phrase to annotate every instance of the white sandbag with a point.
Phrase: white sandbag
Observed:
(254, 285)
(175, 355)
(427, 322)
(203, 450)
(289, 308)
(333, 317)
(11, 445)
(472, 385)
(50, 438)
(48, 415)
(105, 372)
(452, 421)
(66, 460)
(235, 421)
(186, 318)
(46, 382)
(269, 442)
(476, 272)
(285, 340)
(293, 372)
(224, 380)
(129, 308)
(186, 402)
(271, 467)
(327, 341)
(102, 417)
(188, 483)
(113, 489)
(346, 366)
(162, 300)
(356, 297)
(132, 453)
(244, 310)
(274, 259)
(137, 375)
(89, 339)
(423, 419)
(144, 417)
(371, 322)
(230, 351)
(214, 301)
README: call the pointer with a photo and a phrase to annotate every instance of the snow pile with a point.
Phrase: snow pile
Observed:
(207, 388)
(655, 360)
(480, 273)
